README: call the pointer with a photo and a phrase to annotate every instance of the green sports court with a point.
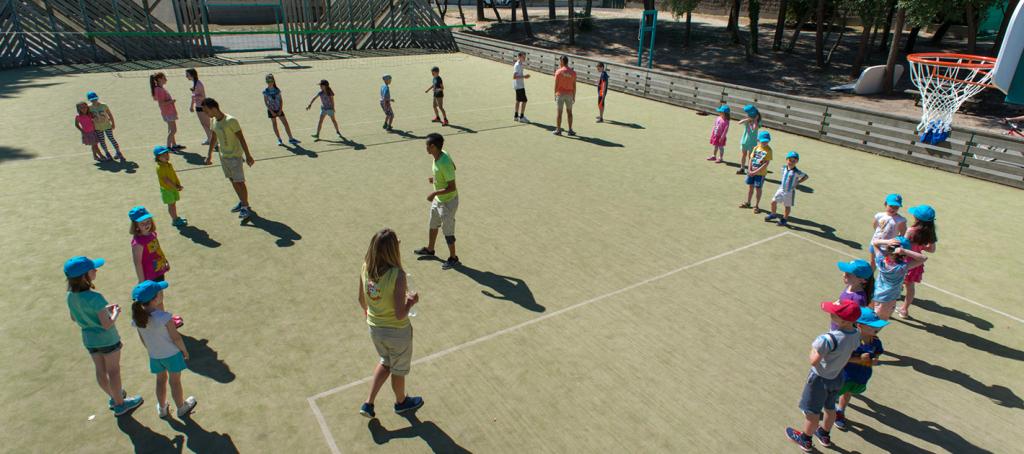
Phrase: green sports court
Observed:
(612, 297)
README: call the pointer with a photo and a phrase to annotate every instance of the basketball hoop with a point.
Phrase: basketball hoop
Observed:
(945, 82)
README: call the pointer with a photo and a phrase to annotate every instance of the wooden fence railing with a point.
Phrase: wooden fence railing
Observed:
(974, 152)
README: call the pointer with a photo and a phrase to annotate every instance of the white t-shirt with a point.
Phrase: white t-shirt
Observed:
(886, 226)
(517, 70)
(158, 340)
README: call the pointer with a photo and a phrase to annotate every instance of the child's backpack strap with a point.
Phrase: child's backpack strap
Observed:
(835, 342)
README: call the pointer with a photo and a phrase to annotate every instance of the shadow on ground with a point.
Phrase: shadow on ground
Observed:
(201, 440)
(286, 236)
(971, 340)
(436, 438)
(506, 288)
(932, 306)
(820, 230)
(929, 431)
(117, 166)
(8, 153)
(198, 236)
(204, 360)
(1001, 395)
(145, 439)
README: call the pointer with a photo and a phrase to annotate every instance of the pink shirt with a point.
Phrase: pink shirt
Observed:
(718, 133)
(198, 93)
(85, 122)
(154, 264)
(162, 96)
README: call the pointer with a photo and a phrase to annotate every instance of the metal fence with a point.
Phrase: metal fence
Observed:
(974, 152)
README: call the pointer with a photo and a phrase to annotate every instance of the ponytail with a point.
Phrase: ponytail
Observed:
(139, 315)
(152, 83)
(869, 288)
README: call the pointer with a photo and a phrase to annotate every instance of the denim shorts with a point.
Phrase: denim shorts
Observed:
(755, 180)
(173, 364)
(820, 392)
(104, 350)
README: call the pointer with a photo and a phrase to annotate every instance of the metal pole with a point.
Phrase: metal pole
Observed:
(88, 28)
(21, 36)
(56, 33)
(117, 26)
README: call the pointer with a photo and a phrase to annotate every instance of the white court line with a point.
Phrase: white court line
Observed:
(327, 431)
(1004, 314)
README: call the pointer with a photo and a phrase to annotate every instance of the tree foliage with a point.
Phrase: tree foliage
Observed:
(679, 8)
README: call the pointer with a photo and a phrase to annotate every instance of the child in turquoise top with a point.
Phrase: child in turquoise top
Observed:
(751, 127)
(96, 319)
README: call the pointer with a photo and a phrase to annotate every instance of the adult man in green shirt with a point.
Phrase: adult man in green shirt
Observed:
(227, 135)
(444, 201)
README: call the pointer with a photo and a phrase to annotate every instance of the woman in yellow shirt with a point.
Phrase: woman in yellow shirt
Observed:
(386, 303)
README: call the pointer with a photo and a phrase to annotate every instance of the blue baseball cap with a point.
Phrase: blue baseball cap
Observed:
(859, 268)
(894, 200)
(139, 214)
(750, 109)
(764, 137)
(923, 213)
(78, 266)
(724, 108)
(870, 318)
(91, 96)
(160, 149)
(147, 290)
(904, 242)
(793, 154)
(387, 77)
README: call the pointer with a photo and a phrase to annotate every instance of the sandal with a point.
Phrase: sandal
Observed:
(758, 210)
(745, 205)
(423, 251)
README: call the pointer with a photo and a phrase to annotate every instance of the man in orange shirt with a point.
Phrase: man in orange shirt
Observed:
(565, 93)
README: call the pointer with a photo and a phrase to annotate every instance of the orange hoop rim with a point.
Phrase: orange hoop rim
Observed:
(935, 59)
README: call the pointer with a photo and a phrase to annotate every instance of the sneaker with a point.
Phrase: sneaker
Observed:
(389, 128)
(237, 208)
(903, 313)
(385, 125)
(840, 420)
(823, 437)
(572, 133)
(316, 137)
(515, 118)
(770, 217)
(120, 157)
(740, 172)
(178, 321)
(423, 251)
(445, 122)
(178, 147)
(162, 410)
(523, 119)
(557, 132)
(130, 403)
(783, 223)
(436, 120)
(293, 141)
(110, 402)
(719, 161)
(280, 143)
(339, 135)
(600, 120)
(179, 222)
(798, 437)
(205, 142)
(409, 404)
(710, 158)
(452, 262)
(367, 410)
(245, 213)
(186, 409)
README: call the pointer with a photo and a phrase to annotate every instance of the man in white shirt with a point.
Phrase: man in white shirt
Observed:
(519, 84)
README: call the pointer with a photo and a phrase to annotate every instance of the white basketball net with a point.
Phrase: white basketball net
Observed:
(945, 87)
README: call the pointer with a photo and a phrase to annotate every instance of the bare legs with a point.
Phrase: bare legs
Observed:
(380, 375)
(204, 120)
(432, 239)
(287, 128)
(242, 191)
(172, 129)
(108, 374)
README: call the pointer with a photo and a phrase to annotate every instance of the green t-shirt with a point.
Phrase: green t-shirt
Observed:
(444, 172)
(227, 139)
(85, 307)
(380, 300)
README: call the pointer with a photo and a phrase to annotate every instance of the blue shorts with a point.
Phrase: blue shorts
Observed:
(820, 392)
(329, 112)
(174, 364)
(755, 180)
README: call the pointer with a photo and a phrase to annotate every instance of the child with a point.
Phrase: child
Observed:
(829, 354)
(234, 150)
(858, 370)
(437, 85)
(148, 257)
(196, 103)
(85, 125)
(385, 102)
(96, 318)
(751, 126)
(275, 109)
(888, 224)
(859, 281)
(718, 134)
(519, 85)
(104, 122)
(167, 109)
(602, 91)
(757, 168)
(922, 238)
(170, 185)
(167, 352)
(326, 96)
(791, 176)
(895, 257)
(386, 301)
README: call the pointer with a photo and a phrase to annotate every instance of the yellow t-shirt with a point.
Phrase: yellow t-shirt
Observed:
(225, 129)
(380, 300)
(761, 155)
(164, 172)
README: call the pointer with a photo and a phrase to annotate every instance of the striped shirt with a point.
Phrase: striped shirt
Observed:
(790, 177)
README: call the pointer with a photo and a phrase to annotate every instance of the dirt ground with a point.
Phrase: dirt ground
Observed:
(712, 55)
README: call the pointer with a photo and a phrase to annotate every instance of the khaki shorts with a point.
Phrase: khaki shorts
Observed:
(442, 215)
(564, 100)
(394, 345)
(233, 169)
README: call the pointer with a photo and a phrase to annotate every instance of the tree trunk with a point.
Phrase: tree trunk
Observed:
(894, 51)
(780, 25)
(551, 9)
(972, 28)
(734, 21)
(911, 40)
(526, 19)
(941, 32)
(754, 13)
(462, 15)
(686, 37)
(819, 34)
(862, 51)
(796, 33)
(590, 6)
(1010, 8)
(512, 28)
(888, 26)
(839, 39)
(572, 23)
(480, 10)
